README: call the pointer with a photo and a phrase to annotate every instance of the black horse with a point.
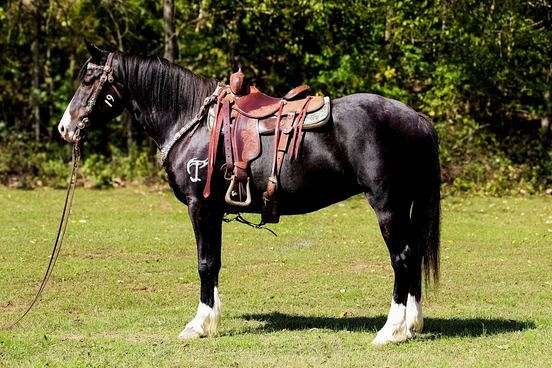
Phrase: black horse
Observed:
(372, 145)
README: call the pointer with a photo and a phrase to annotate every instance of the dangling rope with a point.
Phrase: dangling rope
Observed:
(61, 231)
(242, 220)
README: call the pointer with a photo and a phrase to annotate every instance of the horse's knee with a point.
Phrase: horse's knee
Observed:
(204, 266)
(207, 268)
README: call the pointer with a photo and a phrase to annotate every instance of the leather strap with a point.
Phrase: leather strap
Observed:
(277, 137)
(282, 149)
(298, 130)
(222, 112)
(280, 146)
(227, 131)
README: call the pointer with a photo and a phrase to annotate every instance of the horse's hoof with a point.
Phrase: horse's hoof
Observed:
(389, 336)
(414, 317)
(413, 328)
(189, 333)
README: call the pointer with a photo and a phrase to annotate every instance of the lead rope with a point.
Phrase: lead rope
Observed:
(61, 231)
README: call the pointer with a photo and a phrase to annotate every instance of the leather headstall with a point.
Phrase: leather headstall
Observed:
(106, 76)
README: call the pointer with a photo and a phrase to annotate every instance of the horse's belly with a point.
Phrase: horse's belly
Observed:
(317, 179)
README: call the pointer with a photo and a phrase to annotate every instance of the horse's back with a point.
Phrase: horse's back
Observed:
(368, 138)
(379, 116)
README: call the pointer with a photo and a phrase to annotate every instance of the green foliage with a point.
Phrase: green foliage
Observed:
(480, 69)
(97, 168)
(134, 166)
(28, 165)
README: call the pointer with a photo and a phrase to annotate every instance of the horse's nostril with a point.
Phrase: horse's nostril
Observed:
(61, 128)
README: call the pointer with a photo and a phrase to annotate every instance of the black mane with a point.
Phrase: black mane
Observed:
(170, 94)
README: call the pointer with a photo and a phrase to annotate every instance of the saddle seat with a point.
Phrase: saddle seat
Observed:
(241, 115)
(256, 104)
(264, 108)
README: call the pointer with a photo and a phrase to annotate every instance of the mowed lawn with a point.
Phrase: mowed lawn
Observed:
(126, 284)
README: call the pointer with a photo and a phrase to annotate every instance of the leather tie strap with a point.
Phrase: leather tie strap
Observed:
(223, 112)
(298, 130)
(277, 137)
(228, 155)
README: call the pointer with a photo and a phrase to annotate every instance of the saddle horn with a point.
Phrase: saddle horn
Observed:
(237, 82)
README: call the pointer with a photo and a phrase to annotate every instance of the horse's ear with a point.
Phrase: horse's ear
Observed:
(95, 52)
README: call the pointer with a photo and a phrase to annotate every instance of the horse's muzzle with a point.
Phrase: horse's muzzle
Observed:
(66, 134)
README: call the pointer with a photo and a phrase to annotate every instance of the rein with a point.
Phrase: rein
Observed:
(166, 149)
(60, 233)
(90, 102)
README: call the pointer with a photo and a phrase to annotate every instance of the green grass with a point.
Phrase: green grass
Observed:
(126, 284)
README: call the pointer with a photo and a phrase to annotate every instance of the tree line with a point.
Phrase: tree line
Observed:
(480, 69)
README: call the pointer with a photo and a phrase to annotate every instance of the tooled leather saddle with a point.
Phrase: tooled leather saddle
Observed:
(242, 114)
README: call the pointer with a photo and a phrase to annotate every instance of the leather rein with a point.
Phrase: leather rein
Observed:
(60, 233)
(90, 102)
(209, 100)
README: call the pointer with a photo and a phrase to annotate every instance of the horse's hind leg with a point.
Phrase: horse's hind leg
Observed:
(395, 225)
(414, 315)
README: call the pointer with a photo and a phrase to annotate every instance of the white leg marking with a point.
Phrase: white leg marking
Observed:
(394, 329)
(206, 321)
(414, 316)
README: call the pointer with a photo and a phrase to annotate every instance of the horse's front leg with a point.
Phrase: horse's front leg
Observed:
(206, 219)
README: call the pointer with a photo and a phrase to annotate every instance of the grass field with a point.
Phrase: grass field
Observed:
(126, 284)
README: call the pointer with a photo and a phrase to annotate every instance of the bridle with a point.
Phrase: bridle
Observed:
(107, 76)
(90, 101)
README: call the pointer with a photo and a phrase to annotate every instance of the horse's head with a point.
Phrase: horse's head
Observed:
(98, 97)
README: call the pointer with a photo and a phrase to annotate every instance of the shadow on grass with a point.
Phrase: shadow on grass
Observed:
(435, 327)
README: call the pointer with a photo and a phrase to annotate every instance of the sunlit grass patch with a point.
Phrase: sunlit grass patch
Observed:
(126, 284)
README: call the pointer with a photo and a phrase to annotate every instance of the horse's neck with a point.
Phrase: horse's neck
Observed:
(163, 115)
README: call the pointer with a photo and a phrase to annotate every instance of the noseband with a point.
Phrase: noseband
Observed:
(90, 102)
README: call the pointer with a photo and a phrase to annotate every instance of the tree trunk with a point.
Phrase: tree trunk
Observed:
(36, 70)
(48, 75)
(168, 29)
(388, 33)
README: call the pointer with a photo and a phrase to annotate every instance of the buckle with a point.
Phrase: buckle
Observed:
(226, 172)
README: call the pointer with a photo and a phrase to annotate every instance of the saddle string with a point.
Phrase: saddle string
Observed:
(60, 233)
(242, 220)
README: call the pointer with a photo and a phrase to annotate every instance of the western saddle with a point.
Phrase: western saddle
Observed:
(243, 114)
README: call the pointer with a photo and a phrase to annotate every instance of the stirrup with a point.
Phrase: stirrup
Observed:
(228, 197)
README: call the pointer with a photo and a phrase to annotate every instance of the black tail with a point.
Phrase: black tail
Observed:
(426, 211)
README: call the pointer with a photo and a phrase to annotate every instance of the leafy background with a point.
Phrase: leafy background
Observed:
(480, 69)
